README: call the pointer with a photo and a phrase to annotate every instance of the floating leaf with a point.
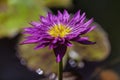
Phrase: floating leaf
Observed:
(17, 15)
(96, 52)
(57, 3)
(43, 59)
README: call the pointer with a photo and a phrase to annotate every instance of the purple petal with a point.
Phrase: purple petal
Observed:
(29, 41)
(55, 20)
(45, 22)
(88, 22)
(41, 46)
(60, 52)
(68, 44)
(28, 30)
(77, 15)
(55, 41)
(66, 16)
(59, 15)
(71, 36)
(50, 16)
(75, 32)
(75, 18)
(36, 24)
(81, 21)
(87, 42)
(84, 40)
(82, 27)
(43, 19)
(52, 46)
(88, 30)
(82, 16)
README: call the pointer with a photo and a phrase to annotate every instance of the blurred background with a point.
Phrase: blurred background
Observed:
(97, 62)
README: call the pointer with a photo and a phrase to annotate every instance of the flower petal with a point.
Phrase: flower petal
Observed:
(82, 27)
(68, 44)
(36, 24)
(43, 19)
(59, 15)
(41, 46)
(88, 30)
(59, 52)
(82, 16)
(75, 18)
(29, 41)
(50, 16)
(84, 40)
(28, 30)
(88, 23)
(66, 16)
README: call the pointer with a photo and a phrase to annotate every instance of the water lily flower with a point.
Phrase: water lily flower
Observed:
(57, 32)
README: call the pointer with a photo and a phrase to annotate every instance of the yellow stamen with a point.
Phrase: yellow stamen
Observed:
(59, 31)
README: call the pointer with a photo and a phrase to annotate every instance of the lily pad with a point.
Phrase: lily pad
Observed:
(43, 59)
(17, 14)
(57, 3)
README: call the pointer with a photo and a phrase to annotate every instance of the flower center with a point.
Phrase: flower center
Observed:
(59, 31)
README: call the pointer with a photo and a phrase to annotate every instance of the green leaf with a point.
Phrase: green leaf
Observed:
(18, 14)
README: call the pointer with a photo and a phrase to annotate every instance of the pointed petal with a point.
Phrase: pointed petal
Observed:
(40, 46)
(75, 19)
(84, 40)
(65, 16)
(43, 19)
(88, 23)
(30, 41)
(36, 24)
(52, 46)
(59, 15)
(59, 52)
(28, 30)
(50, 16)
(88, 30)
(68, 44)
(87, 42)
(82, 16)
(55, 41)
(77, 15)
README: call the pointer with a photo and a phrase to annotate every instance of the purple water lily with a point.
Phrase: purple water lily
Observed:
(57, 32)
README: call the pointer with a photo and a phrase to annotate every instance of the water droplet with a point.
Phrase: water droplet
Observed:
(72, 63)
(81, 64)
(52, 76)
(22, 61)
(73, 54)
(39, 71)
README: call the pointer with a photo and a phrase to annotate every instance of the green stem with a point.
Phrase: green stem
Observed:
(60, 70)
